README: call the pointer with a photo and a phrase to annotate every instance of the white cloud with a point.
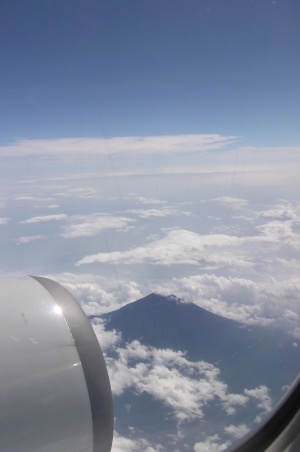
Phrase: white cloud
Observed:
(4, 220)
(122, 444)
(107, 339)
(177, 247)
(182, 385)
(25, 198)
(125, 146)
(39, 219)
(142, 200)
(98, 295)
(281, 212)
(237, 431)
(147, 213)
(180, 246)
(31, 198)
(264, 302)
(29, 238)
(89, 225)
(235, 203)
(53, 206)
(289, 314)
(83, 193)
(211, 444)
(261, 394)
(242, 299)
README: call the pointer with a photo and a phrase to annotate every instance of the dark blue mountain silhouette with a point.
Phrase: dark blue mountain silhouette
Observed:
(246, 355)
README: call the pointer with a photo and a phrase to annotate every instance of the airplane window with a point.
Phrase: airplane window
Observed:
(150, 162)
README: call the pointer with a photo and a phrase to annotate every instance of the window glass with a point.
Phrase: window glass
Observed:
(152, 147)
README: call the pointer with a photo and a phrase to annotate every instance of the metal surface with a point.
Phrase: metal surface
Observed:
(44, 400)
(93, 364)
(54, 389)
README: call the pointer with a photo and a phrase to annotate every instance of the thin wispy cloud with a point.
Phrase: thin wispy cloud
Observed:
(89, 225)
(31, 198)
(84, 193)
(131, 146)
(235, 203)
(29, 238)
(43, 218)
(147, 213)
(143, 200)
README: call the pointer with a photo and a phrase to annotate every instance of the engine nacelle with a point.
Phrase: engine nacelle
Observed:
(55, 394)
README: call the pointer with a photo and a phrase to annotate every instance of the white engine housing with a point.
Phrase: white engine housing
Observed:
(55, 393)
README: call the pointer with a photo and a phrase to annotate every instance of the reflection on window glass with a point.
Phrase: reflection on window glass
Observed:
(150, 151)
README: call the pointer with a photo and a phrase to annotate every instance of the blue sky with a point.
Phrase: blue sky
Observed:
(118, 68)
(153, 146)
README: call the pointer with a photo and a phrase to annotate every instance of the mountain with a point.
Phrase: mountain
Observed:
(244, 357)
(247, 355)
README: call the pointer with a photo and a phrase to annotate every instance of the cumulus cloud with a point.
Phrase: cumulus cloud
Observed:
(242, 299)
(211, 444)
(107, 339)
(255, 253)
(123, 444)
(237, 431)
(166, 375)
(261, 395)
(96, 294)
(63, 148)
(177, 247)
(281, 212)
(40, 219)
(180, 246)
(29, 238)
(89, 225)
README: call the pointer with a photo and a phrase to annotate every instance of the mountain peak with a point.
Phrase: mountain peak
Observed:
(168, 322)
(164, 297)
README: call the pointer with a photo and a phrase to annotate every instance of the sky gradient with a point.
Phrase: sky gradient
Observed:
(119, 68)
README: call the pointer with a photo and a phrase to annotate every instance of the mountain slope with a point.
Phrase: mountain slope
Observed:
(247, 355)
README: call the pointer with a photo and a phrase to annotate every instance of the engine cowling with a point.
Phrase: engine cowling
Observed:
(55, 394)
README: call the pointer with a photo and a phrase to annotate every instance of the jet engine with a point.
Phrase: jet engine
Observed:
(55, 394)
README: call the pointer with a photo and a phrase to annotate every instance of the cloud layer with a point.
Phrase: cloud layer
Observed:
(89, 225)
(183, 386)
(124, 146)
